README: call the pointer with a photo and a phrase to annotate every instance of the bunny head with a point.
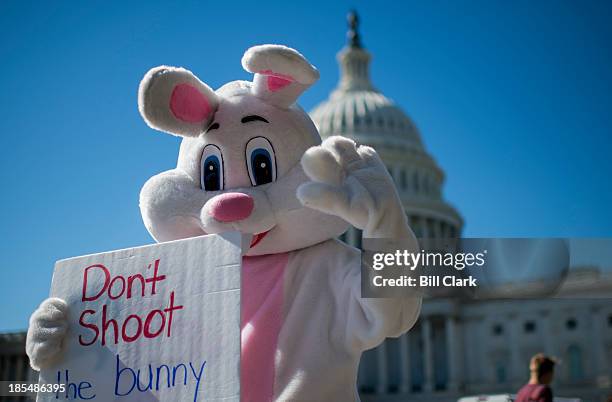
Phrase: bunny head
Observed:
(239, 161)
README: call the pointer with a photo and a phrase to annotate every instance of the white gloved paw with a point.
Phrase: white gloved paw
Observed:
(48, 326)
(353, 183)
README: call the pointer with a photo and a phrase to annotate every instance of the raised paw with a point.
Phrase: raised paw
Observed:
(351, 182)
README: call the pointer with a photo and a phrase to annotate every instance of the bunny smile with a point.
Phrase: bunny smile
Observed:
(257, 237)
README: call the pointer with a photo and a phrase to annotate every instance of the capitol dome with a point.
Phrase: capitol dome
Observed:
(356, 109)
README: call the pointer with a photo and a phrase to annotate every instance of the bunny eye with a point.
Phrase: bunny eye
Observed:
(261, 162)
(211, 173)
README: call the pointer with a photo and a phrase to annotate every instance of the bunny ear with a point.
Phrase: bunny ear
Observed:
(174, 100)
(281, 73)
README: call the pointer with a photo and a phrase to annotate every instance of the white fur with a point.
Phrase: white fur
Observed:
(280, 61)
(352, 182)
(48, 325)
(319, 189)
(154, 95)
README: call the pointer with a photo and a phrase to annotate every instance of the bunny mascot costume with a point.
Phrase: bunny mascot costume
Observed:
(251, 160)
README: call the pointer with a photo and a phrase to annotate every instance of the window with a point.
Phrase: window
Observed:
(571, 324)
(529, 327)
(498, 329)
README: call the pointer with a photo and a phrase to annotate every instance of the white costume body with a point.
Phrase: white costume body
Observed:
(326, 325)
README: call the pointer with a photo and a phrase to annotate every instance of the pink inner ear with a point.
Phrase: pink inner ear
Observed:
(188, 104)
(277, 81)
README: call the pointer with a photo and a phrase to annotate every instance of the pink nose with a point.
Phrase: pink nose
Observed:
(230, 207)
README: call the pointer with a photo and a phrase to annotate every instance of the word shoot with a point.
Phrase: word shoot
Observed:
(149, 324)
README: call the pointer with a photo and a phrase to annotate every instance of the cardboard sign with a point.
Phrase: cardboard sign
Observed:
(152, 323)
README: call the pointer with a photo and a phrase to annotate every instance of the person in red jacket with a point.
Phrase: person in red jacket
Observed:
(541, 368)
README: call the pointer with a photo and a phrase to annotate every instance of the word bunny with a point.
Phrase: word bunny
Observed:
(252, 161)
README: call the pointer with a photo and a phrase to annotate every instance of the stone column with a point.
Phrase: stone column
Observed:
(452, 349)
(381, 359)
(350, 236)
(437, 234)
(410, 181)
(549, 345)
(444, 230)
(405, 381)
(513, 341)
(425, 234)
(6, 367)
(425, 227)
(418, 223)
(427, 354)
(598, 350)
(19, 374)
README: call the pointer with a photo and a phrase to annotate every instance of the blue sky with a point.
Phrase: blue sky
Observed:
(513, 99)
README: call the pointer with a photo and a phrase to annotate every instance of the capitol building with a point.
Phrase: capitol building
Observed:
(457, 347)
(460, 348)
